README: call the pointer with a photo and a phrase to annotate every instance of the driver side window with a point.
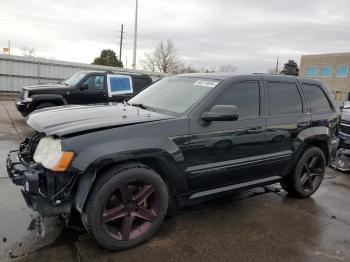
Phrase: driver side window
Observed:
(95, 82)
(244, 95)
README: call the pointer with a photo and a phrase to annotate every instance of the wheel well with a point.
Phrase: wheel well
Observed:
(323, 146)
(46, 101)
(153, 163)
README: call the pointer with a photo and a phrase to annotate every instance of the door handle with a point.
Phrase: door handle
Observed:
(304, 125)
(256, 131)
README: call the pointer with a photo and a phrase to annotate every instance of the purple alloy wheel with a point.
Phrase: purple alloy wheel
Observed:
(312, 173)
(130, 210)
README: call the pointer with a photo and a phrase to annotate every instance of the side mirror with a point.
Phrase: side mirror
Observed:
(84, 86)
(221, 113)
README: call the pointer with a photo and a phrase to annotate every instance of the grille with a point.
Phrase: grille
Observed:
(344, 129)
(345, 122)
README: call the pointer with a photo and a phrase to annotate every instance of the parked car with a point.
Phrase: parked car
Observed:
(342, 160)
(121, 166)
(86, 87)
(344, 131)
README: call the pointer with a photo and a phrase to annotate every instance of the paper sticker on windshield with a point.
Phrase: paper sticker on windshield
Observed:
(206, 83)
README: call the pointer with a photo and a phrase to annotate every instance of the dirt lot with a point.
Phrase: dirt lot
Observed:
(259, 225)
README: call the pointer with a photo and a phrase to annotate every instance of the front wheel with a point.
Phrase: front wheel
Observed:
(308, 174)
(127, 206)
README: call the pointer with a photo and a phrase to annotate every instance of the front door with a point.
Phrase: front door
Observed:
(93, 93)
(221, 153)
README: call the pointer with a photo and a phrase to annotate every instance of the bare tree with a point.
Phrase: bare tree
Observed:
(227, 68)
(27, 52)
(164, 59)
(183, 69)
(205, 69)
(149, 63)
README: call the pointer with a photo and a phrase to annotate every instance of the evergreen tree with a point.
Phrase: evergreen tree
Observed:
(290, 68)
(108, 58)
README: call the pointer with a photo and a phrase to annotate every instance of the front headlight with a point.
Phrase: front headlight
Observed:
(49, 153)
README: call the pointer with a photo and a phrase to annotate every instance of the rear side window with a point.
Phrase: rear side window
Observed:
(140, 83)
(119, 84)
(317, 99)
(244, 95)
(284, 99)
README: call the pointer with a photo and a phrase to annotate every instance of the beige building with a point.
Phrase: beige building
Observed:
(332, 69)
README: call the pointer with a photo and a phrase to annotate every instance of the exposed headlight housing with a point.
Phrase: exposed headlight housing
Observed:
(49, 153)
(25, 96)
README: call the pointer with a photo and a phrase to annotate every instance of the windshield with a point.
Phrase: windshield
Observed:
(174, 94)
(74, 79)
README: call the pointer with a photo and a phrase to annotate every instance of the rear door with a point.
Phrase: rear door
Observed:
(120, 87)
(323, 114)
(140, 82)
(287, 117)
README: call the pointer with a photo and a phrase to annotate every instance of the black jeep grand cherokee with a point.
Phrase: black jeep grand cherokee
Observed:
(184, 139)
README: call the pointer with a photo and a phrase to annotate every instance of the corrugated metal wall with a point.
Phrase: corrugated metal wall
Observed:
(19, 71)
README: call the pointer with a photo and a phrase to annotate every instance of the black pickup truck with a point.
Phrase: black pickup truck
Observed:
(85, 87)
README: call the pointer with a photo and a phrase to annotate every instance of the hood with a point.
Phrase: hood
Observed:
(71, 119)
(47, 86)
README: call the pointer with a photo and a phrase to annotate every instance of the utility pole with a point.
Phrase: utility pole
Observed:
(121, 43)
(135, 35)
(278, 58)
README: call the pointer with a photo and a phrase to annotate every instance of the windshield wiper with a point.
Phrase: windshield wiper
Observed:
(142, 106)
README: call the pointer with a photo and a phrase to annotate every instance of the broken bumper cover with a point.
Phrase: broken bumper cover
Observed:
(32, 178)
(342, 160)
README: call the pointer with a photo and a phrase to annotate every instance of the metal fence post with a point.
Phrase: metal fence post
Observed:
(10, 74)
(38, 72)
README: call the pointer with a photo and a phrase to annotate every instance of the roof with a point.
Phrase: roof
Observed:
(114, 72)
(220, 76)
(223, 76)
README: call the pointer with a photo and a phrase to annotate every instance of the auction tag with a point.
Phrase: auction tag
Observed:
(206, 83)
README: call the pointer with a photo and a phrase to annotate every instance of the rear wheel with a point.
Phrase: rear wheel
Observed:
(308, 174)
(127, 206)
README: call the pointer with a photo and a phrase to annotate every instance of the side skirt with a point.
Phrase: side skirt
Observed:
(236, 187)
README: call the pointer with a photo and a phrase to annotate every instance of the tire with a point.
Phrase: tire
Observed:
(127, 206)
(223, 144)
(308, 174)
(44, 105)
(277, 139)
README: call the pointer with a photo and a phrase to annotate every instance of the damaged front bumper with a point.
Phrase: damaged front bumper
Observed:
(342, 160)
(44, 191)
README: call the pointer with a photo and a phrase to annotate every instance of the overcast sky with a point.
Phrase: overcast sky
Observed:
(248, 34)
